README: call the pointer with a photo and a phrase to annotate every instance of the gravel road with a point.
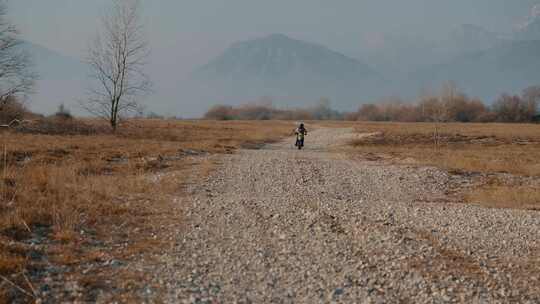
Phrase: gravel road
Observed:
(278, 225)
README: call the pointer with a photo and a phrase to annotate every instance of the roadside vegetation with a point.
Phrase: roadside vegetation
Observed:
(77, 200)
(266, 111)
(448, 105)
(503, 159)
(451, 105)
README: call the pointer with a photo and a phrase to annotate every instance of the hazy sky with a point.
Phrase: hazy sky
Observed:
(185, 34)
(200, 26)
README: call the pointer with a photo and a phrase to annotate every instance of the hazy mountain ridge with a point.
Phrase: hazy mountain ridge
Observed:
(297, 73)
(470, 37)
(482, 63)
(61, 78)
(505, 63)
(291, 70)
(508, 67)
(280, 58)
(400, 55)
(530, 29)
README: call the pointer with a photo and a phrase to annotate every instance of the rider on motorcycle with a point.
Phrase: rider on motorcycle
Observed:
(300, 133)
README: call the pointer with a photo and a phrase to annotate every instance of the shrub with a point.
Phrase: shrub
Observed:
(219, 112)
(269, 112)
(453, 106)
(153, 115)
(12, 109)
(60, 126)
(370, 112)
(450, 105)
(511, 108)
(63, 112)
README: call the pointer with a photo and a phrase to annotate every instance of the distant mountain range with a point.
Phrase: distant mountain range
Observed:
(293, 71)
(51, 64)
(399, 55)
(509, 67)
(62, 79)
(483, 64)
(470, 38)
(278, 59)
(486, 64)
(530, 29)
(296, 73)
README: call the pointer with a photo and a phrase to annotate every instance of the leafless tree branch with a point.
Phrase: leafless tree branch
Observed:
(17, 77)
(117, 57)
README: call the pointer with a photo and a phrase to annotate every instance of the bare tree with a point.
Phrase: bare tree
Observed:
(17, 77)
(436, 109)
(117, 58)
(531, 97)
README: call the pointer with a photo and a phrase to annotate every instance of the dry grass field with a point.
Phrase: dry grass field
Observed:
(74, 206)
(506, 155)
(70, 200)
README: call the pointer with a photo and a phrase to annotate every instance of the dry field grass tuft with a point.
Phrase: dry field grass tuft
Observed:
(508, 153)
(74, 200)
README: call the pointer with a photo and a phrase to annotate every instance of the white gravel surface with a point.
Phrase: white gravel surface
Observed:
(278, 225)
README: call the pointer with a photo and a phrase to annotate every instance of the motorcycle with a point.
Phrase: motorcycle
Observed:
(299, 140)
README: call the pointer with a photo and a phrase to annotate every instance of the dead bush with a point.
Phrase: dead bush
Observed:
(63, 113)
(513, 108)
(62, 125)
(322, 111)
(11, 110)
(220, 112)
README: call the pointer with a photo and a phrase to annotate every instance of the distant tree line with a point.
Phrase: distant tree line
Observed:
(266, 111)
(449, 105)
(453, 106)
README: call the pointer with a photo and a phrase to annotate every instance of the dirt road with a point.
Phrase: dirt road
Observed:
(278, 225)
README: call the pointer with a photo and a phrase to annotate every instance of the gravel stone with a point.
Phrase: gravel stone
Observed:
(278, 225)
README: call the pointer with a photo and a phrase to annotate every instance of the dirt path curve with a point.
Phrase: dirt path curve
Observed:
(279, 225)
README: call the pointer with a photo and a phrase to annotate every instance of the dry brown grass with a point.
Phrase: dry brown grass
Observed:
(509, 132)
(512, 149)
(522, 197)
(78, 196)
(488, 148)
